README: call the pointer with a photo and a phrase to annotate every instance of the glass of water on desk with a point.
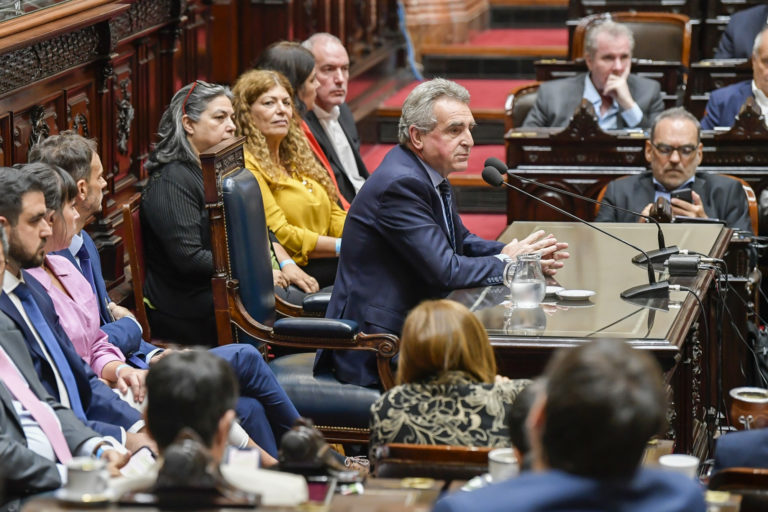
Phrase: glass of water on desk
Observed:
(525, 281)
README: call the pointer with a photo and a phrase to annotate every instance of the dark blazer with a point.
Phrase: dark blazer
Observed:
(25, 472)
(723, 198)
(740, 34)
(724, 104)
(748, 449)
(347, 122)
(556, 101)
(396, 253)
(124, 333)
(105, 411)
(557, 491)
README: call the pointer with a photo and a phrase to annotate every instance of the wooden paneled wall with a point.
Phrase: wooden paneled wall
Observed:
(107, 68)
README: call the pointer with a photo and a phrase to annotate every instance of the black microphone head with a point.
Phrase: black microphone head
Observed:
(496, 164)
(492, 176)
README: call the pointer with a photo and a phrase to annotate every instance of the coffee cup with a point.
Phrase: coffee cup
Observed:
(502, 464)
(679, 463)
(86, 476)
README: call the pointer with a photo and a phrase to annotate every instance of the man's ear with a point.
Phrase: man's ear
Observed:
(225, 424)
(648, 150)
(416, 137)
(82, 189)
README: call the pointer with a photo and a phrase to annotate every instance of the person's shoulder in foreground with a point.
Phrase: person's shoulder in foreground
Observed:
(556, 491)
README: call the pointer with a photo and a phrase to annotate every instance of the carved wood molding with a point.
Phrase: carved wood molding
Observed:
(142, 15)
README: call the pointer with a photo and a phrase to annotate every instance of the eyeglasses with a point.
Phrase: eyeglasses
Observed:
(184, 103)
(667, 150)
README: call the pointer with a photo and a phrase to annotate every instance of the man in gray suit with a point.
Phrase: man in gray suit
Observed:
(29, 463)
(621, 100)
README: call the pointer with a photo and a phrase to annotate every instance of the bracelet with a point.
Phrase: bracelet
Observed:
(117, 370)
(99, 450)
(338, 246)
(283, 263)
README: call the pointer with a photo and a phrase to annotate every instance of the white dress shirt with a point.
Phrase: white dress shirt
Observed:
(330, 122)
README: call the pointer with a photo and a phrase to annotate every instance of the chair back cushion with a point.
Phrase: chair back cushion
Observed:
(248, 244)
(657, 41)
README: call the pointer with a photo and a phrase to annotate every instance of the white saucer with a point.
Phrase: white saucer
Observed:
(553, 290)
(575, 294)
(78, 498)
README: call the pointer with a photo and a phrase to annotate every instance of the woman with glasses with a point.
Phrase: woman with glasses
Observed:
(300, 200)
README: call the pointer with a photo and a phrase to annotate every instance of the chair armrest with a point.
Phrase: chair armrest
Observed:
(315, 328)
(316, 302)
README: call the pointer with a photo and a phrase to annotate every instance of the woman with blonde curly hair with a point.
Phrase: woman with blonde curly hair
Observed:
(299, 197)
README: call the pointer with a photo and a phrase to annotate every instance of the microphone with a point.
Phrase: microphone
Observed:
(657, 257)
(493, 177)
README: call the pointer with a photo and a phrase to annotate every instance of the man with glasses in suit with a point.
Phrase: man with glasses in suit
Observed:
(674, 152)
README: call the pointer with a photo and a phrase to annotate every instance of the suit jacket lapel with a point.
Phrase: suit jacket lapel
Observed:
(7, 307)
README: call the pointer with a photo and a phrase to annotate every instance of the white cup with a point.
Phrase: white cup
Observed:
(679, 463)
(502, 464)
(86, 476)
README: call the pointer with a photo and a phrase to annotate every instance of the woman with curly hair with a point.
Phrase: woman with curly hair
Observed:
(299, 197)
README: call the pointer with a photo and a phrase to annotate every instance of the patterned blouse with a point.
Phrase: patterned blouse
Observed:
(450, 409)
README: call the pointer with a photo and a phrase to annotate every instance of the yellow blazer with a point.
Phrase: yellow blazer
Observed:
(295, 214)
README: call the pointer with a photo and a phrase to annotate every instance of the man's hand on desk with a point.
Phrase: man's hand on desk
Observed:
(551, 251)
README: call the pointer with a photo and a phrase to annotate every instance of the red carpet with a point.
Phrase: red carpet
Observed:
(486, 94)
(358, 86)
(543, 37)
(485, 225)
(373, 154)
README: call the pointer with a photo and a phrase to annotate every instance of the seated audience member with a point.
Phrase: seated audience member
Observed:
(404, 239)
(39, 434)
(264, 410)
(748, 449)
(736, 41)
(299, 197)
(601, 403)
(331, 120)
(298, 65)
(194, 391)
(174, 220)
(63, 373)
(518, 414)
(674, 151)
(724, 103)
(445, 358)
(621, 100)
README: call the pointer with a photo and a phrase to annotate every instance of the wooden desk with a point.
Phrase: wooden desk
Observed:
(524, 339)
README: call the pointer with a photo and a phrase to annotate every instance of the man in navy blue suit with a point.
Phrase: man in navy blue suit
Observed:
(746, 449)
(725, 103)
(601, 403)
(64, 374)
(736, 42)
(404, 240)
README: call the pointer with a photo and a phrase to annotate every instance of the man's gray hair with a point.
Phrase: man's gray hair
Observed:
(419, 106)
(758, 41)
(676, 113)
(318, 37)
(610, 27)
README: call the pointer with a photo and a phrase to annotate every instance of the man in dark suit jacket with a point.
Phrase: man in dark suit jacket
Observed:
(22, 213)
(404, 240)
(25, 471)
(725, 103)
(674, 151)
(746, 449)
(620, 100)
(736, 42)
(331, 112)
(601, 404)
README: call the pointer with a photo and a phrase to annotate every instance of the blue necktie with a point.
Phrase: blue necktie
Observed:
(85, 265)
(50, 342)
(445, 195)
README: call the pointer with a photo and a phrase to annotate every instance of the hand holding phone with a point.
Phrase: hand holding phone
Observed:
(684, 194)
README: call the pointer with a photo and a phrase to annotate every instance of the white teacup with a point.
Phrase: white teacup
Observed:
(502, 464)
(679, 463)
(86, 476)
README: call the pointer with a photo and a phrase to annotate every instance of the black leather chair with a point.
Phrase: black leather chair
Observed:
(244, 298)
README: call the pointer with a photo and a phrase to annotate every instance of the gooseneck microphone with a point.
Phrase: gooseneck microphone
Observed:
(657, 256)
(493, 177)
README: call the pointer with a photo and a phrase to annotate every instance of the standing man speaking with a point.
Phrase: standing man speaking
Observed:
(404, 241)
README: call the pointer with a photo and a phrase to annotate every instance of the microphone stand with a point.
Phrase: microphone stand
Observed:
(493, 177)
(657, 256)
